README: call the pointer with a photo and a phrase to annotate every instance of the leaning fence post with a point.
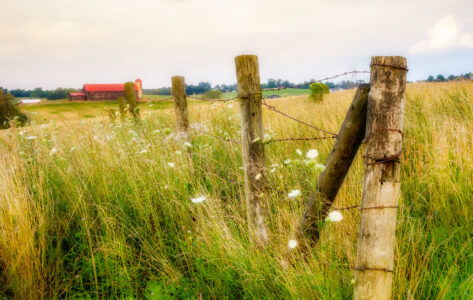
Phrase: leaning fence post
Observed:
(381, 188)
(180, 103)
(338, 163)
(249, 93)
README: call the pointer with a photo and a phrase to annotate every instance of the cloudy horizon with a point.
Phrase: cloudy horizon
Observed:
(66, 43)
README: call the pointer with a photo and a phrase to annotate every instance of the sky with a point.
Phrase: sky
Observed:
(66, 43)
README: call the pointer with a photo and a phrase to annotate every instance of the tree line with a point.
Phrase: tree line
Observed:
(59, 93)
(441, 78)
(204, 87)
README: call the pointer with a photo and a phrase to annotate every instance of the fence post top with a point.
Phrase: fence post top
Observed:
(397, 62)
(177, 77)
(246, 56)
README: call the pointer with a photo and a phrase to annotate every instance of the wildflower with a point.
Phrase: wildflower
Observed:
(143, 151)
(44, 125)
(298, 151)
(292, 244)
(267, 138)
(230, 106)
(334, 216)
(72, 149)
(312, 154)
(53, 150)
(256, 140)
(258, 176)
(319, 167)
(171, 164)
(311, 163)
(294, 194)
(352, 281)
(32, 137)
(287, 162)
(178, 152)
(82, 123)
(21, 132)
(273, 170)
(34, 113)
(188, 145)
(198, 199)
(274, 165)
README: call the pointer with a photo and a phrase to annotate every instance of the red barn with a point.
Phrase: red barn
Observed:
(97, 92)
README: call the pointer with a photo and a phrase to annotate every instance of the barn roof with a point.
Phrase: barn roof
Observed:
(104, 87)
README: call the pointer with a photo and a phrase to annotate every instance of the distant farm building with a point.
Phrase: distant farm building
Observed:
(97, 92)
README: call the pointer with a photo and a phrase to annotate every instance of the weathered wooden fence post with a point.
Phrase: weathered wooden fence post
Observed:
(338, 163)
(130, 96)
(249, 93)
(180, 103)
(381, 187)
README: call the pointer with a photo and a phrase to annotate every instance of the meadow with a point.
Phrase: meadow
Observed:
(98, 209)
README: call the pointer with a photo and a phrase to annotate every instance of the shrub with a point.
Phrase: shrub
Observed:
(9, 112)
(318, 90)
(213, 94)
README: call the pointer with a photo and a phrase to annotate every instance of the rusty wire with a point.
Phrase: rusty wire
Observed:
(301, 139)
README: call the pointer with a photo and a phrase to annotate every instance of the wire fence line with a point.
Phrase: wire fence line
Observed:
(331, 135)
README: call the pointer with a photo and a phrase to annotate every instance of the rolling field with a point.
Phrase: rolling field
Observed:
(95, 209)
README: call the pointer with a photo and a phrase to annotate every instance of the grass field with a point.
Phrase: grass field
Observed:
(96, 209)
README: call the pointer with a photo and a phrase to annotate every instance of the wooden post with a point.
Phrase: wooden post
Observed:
(180, 103)
(381, 188)
(338, 162)
(249, 92)
(130, 96)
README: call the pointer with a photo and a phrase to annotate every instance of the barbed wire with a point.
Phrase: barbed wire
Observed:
(301, 139)
(273, 108)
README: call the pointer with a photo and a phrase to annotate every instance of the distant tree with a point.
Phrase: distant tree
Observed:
(318, 90)
(9, 112)
(430, 78)
(451, 77)
(440, 78)
(213, 94)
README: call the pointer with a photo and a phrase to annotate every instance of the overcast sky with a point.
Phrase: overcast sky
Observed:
(51, 43)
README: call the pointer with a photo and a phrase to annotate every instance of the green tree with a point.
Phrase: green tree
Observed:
(440, 78)
(213, 94)
(430, 78)
(318, 90)
(9, 112)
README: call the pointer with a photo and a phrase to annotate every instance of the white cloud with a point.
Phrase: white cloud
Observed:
(445, 34)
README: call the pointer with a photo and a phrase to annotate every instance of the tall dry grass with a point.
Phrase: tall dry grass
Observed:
(98, 210)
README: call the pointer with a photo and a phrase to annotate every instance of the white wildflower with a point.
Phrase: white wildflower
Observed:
(312, 154)
(34, 113)
(273, 170)
(53, 150)
(230, 106)
(319, 167)
(298, 151)
(274, 165)
(31, 137)
(72, 149)
(188, 145)
(334, 216)
(143, 151)
(286, 162)
(267, 138)
(292, 244)
(258, 176)
(294, 194)
(21, 132)
(178, 152)
(198, 199)
(171, 164)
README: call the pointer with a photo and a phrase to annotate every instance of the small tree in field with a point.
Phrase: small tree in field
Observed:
(131, 99)
(213, 94)
(318, 90)
(9, 112)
